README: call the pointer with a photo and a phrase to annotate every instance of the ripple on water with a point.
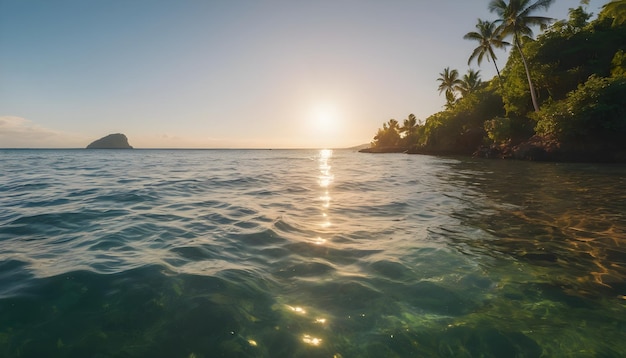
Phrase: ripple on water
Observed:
(133, 313)
(263, 238)
(204, 253)
(312, 269)
(391, 269)
(342, 297)
(15, 278)
(339, 255)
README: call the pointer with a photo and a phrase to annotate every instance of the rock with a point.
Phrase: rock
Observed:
(537, 148)
(112, 141)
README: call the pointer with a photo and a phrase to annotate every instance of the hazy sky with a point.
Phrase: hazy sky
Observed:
(228, 73)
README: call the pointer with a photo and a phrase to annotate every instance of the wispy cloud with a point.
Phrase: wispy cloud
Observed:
(18, 132)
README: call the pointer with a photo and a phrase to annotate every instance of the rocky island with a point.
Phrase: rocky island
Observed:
(112, 141)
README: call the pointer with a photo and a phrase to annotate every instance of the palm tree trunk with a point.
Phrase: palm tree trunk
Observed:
(533, 95)
(498, 71)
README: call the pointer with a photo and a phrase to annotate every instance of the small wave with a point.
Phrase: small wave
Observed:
(315, 269)
(266, 237)
(14, 278)
(234, 253)
(24, 188)
(390, 269)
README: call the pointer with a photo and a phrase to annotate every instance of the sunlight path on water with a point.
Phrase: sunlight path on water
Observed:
(307, 253)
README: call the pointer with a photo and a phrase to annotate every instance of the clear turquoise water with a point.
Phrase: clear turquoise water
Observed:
(288, 253)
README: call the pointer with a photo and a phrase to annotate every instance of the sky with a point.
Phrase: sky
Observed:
(229, 73)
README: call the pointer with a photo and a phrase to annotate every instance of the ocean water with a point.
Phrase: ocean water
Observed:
(308, 253)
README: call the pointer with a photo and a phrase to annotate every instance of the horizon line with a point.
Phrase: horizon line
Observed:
(182, 148)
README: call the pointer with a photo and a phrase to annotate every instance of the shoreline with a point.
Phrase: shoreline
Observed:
(536, 148)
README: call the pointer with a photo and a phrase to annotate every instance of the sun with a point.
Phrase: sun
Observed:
(324, 123)
(324, 117)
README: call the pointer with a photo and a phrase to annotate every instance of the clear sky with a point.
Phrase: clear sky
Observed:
(228, 73)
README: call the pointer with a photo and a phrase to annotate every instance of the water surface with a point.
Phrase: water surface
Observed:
(304, 253)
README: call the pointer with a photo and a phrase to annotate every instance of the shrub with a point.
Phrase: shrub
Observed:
(594, 111)
(498, 129)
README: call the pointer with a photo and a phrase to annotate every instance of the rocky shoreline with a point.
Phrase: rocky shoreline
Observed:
(536, 148)
(545, 149)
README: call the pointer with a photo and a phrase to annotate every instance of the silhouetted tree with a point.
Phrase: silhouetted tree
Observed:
(388, 136)
(410, 131)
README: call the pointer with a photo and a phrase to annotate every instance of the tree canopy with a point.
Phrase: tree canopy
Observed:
(567, 85)
(515, 19)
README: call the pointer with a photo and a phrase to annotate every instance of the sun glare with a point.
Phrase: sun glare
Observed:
(324, 117)
(324, 124)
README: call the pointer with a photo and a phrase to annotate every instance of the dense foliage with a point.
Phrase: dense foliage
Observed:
(576, 68)
(594, 111)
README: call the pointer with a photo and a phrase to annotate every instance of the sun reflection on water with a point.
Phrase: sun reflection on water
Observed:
(325, 179)
(296, 309)
(308, 339)
(319, 241)
(325, 201)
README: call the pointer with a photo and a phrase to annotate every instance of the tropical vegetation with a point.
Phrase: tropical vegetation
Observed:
(560, 93)
(488, 38)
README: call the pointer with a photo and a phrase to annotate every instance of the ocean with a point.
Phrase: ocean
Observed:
(308, 253)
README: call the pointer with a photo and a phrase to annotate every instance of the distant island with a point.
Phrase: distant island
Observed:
(112, 141)
(560, 97)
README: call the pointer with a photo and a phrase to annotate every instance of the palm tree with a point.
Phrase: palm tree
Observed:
(450, 100)
(409, 125)
(388, 136)
(616, 9)
(470, 83)
(450, 83)
(393, 124)
(488, 39)
(409, 131)
(515, 19)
